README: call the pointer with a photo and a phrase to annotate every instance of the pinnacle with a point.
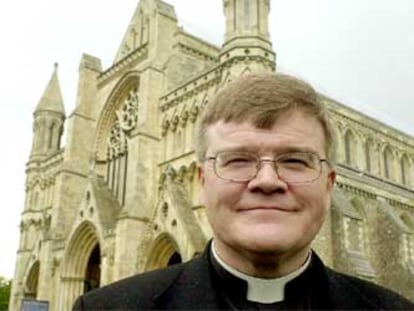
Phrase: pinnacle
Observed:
(52, 97)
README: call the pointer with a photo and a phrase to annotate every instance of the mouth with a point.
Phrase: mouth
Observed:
(267, 208)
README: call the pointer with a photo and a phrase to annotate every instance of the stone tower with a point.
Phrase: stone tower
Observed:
(49, 117)
(247, 47)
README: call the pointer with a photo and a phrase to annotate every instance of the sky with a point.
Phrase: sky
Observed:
(360, 53)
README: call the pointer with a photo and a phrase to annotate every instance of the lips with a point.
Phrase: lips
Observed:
(267, 208)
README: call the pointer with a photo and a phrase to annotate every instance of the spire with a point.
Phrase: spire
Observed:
(52, 96)
(49, 118)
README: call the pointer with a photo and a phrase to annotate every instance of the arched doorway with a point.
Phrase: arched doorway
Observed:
(163, 253)
(32, 281)
(81, 269)
(174, 259)
(93, 270)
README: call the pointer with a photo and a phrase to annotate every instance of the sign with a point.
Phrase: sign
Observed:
(34, 305)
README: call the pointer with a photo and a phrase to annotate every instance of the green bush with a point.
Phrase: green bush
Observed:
(5, 286)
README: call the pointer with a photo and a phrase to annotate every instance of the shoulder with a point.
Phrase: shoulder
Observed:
(364, 293)
(138, 291)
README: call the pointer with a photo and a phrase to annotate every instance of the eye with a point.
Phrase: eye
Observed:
(299, 160)
(293, 160)
(235, 159)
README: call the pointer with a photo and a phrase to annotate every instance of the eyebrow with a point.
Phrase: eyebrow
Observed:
(281, 150)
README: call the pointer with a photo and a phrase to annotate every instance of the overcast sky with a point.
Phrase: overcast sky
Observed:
(359, 52)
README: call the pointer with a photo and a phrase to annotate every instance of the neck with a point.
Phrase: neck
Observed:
(262, 290)
(261, 264)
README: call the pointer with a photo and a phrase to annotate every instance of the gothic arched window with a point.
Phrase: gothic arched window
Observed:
(117, 152)
(388, 160)
(405, 170)
(350, 143)
(408, 241)
(369, 150)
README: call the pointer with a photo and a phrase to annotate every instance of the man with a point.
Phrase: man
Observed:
(265, 149)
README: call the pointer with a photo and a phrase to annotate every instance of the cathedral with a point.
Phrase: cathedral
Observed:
(120, 195)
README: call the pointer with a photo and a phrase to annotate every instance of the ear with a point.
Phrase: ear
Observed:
(331, 179)
(200, 171)
(201, 179)
(330, 182)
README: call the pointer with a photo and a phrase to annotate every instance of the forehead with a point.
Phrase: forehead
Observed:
(292, 131)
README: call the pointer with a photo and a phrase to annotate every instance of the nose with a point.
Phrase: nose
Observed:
(267, 179)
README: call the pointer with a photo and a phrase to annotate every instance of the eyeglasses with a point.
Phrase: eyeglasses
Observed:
(295, 167)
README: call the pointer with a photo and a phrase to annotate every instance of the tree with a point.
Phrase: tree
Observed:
(5, 286)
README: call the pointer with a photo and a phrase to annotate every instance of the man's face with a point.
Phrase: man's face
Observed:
(266, 215)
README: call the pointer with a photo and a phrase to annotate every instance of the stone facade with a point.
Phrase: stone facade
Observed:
(122, 196)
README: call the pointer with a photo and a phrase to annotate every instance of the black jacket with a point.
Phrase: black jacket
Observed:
(195, 286)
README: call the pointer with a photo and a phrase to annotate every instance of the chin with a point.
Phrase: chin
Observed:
(266, 245)
(270, 240)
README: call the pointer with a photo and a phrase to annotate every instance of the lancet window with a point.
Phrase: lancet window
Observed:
(247, 24)
(350, 143)
(388, 159)
(408, 242)
(354, 234)
(51, 134)
(405, 170)
(368, 155)
(408, 250)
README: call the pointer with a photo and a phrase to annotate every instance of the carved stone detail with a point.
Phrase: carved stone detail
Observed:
(126, 121)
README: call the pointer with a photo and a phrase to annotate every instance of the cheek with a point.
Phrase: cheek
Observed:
(219, 194)
(314, 199)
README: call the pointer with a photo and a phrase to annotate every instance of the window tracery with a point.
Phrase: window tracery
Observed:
(117, 152)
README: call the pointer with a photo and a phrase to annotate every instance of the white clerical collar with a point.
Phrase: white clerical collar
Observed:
(259, 289)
